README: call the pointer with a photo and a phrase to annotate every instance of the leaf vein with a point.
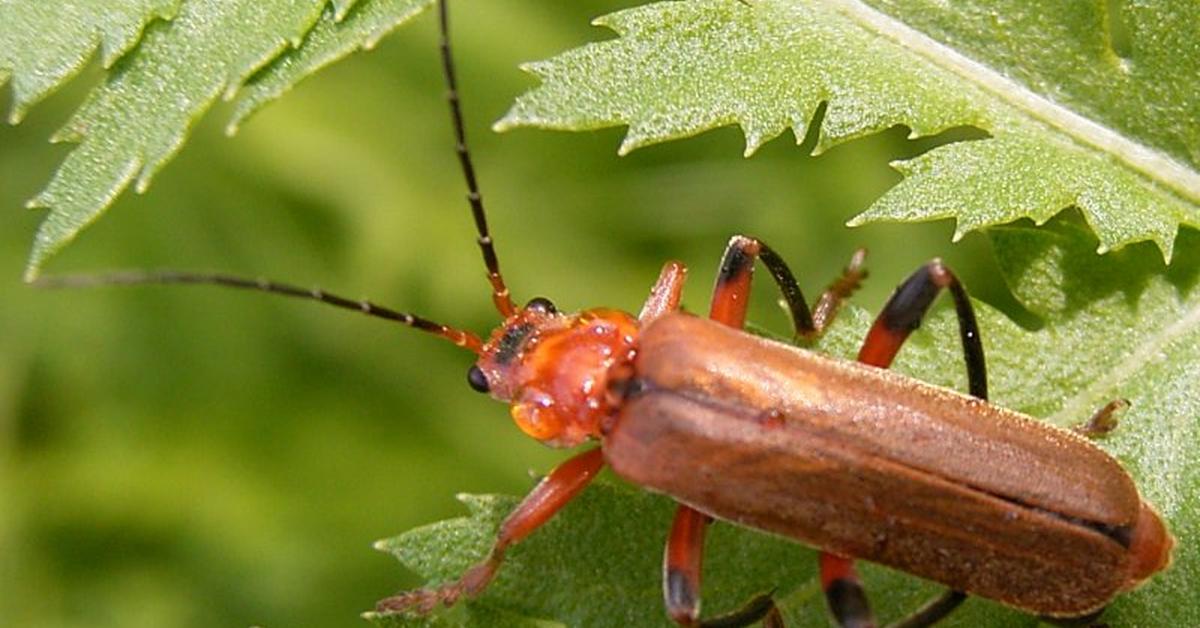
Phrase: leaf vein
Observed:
(1150, 163)
(1086, 401)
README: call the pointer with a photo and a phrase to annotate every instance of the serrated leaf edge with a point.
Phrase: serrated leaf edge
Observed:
(1150, 163)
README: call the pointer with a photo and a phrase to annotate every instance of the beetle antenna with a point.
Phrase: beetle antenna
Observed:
(500, 294)
(459, 337)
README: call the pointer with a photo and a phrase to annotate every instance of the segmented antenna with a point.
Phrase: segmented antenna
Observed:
(462, 338)
(500, 294)
(133, 278)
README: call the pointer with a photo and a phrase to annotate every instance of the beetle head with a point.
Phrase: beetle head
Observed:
(554, 368)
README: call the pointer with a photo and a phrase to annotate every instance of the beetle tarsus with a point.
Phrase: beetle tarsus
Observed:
(425, 601)
(830, 302)
(1104, 420)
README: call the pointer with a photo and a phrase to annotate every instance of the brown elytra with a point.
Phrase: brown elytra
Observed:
(866, 463)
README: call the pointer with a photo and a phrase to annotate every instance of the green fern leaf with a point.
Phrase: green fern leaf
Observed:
(332, 39)
(136, 121)
(1071, 122)
(44, 44)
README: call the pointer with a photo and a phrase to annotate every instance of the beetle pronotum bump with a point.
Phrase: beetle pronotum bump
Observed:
(849, 458)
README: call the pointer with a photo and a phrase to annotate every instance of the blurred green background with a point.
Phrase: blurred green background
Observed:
(197, 457)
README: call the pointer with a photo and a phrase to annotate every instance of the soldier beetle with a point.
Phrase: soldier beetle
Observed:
(849, 458)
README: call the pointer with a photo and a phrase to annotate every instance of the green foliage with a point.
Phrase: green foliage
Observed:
(1117, 326)
(139, 118)
(1071, 122)
(230, 511)
(43, 44)
(330, 40)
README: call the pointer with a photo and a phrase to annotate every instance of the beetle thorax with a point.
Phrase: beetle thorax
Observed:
(555, 368)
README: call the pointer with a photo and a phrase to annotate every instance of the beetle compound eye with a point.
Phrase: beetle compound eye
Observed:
(476, 379)
(541, 304)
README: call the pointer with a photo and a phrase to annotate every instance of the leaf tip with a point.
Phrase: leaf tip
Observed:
(604, 21)
(43, 247)
(16, 114)
(1167, 252)
(903, 166)
(505, 124)
(753, 143)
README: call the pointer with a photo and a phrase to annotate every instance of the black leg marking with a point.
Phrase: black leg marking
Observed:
(736, 262)
(757, 609)
(802, 320)
(907, 307)
(681, 596)
(909, 304)
(733, 284)
(900, 317)
(848, 603)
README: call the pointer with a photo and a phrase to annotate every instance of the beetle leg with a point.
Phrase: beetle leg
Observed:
(731, 295)
(845, 285)
(730, 300)
(682, 575)
(546, 499)
(900, 317)
(665, 295)
(681, 565)
(732, 292)
(844, 592)
(761, 608)
(903, 314)
(1104, 420)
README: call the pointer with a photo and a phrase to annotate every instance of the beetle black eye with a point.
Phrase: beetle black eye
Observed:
(541, 304)
(476, 379)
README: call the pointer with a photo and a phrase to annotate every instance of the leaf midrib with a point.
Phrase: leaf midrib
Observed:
(1148, 162)
(1087, 401)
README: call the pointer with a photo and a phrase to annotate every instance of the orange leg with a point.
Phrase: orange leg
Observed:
(547, 498)
(732, 292)
(665, 295)
(685, 546)
(901, 316)
(681, 565)
(844, 592)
